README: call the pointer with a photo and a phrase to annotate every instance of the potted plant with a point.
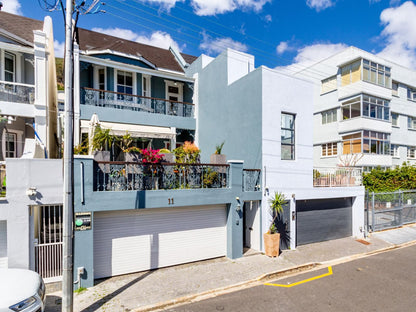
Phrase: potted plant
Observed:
(217, 157)
(101, 144)
(150, 160)
(168, 156)
(188, 153)
(132, 154)
(272, 236)
(124, 143)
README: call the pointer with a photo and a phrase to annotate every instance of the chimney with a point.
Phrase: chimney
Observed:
(1, 5)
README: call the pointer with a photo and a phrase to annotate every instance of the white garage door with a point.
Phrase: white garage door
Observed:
(3, 244)
(132, 241)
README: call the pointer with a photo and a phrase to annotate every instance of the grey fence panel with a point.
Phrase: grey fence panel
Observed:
(390, 209)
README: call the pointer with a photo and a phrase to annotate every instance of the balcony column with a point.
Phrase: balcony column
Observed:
(77, 93)
(41, 85)
(235, 211)
(173, 139)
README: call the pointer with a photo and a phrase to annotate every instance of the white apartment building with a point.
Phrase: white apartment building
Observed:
(364, 111)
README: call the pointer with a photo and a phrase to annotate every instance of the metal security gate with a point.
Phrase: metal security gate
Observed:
(48, 240)
(323, 219)
(390, 209)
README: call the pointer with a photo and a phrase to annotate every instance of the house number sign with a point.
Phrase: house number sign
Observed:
(170, 201)
(82, 221)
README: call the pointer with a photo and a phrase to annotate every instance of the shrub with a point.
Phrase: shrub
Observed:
(390, 180)
(188, 153)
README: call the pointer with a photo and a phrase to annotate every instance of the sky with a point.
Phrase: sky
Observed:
(278, 33)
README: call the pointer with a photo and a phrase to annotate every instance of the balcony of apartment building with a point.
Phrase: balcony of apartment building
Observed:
(364, 76)
(136, 103)
(17, 88)
(130, 95)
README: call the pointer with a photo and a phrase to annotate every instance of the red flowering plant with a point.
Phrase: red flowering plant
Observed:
(150, 156)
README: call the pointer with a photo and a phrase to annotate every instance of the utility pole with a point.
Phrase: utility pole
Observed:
(67, 272)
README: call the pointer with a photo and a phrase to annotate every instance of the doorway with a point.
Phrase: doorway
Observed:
(251, 226)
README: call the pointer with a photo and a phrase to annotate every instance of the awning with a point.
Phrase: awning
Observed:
(136, 131)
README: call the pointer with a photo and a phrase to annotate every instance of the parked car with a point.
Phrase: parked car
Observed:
(21, 290)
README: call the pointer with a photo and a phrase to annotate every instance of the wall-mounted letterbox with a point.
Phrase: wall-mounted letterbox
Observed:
(82, 221)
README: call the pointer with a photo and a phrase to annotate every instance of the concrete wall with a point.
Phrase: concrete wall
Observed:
(229, 107)
(46, 176)
(243, 106)
(92, 201)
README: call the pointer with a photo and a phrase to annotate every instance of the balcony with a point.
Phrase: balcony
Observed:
(17, 92)
(130, 176)
(337, 177)
(137, 103)
(251, 180)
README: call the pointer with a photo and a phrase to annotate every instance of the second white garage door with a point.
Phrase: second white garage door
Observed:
(132, 241)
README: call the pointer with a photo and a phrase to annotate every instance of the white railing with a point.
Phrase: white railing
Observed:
(17, 92)
(337, 176)
(48, 259)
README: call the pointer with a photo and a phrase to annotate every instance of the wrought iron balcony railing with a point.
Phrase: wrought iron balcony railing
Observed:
(126, 176)
(337, 176)
(17, 92)
(135, 103)
(251, 180)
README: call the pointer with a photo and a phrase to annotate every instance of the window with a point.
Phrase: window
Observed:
(9, 67)
(394, 150)
(146, 86)
(368, 142)
(376, 143)
(395, 88)
(174, 91)
(329, 84)
(329, 116)
(394, 119)
(411, 94)
(11, 141)
(101, 79)
(411, 152)
(351, 108)
(350, 73)
(287, 136)
(376, 73)
(376, 108)
(411, 123)
(351, 144)
(329, 149)
(124, 82)
(372, 107)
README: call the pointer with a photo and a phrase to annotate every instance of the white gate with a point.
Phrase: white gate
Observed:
(48, 240)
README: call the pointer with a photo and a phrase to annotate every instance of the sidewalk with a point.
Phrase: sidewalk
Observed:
(151, 289)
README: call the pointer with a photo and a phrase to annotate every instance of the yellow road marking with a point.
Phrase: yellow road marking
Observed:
(304, 281)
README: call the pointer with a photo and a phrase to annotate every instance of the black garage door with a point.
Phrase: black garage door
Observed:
(323, 219)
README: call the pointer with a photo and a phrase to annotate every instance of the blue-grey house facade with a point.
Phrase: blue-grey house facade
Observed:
(133, 87)
(141, 217)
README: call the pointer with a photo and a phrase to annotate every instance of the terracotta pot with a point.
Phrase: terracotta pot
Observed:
(271, 244)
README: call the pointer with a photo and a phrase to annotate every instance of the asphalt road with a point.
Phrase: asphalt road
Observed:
(383, 282)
